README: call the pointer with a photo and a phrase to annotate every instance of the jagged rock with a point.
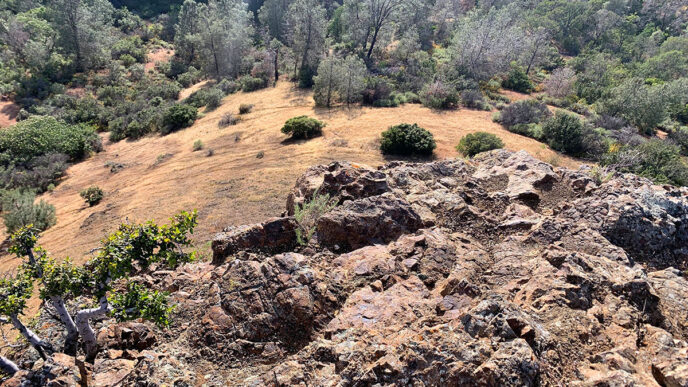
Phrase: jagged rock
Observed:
(343, 181)
(363, 222)
(273, 236)
(498, 271)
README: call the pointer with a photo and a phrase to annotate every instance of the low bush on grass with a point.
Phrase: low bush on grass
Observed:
(245, 108)
(228, 119)
(527, 111)
(92, 195)
(177, 117)
(303, 127)
(474, 143)
(406, 140)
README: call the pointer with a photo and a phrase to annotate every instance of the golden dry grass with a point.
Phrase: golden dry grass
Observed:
(233, 186)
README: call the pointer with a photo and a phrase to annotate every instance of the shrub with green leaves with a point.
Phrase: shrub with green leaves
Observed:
(197, 145)
(478, 142)
(39, 136)
(178, 116)
(528, 111)
(439, 96)
(308, 213)
(249, 83)
(518, 80)
(303, 127)
(92, 195)
(564, 132)
(19, 209)
(407, 140)
(655, 159)
(131, 250)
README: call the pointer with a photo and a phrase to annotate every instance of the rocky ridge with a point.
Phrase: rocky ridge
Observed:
(501, 270)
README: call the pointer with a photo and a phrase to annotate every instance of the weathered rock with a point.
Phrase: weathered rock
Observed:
(499, 271)
(274, 236)
(362, 222)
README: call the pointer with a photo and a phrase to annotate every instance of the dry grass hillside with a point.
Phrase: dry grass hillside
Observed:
(162, 175)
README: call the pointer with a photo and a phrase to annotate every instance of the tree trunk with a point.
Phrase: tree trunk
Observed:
(372, 43)
(33, 339)
(7, 366)
(70, 345)
(87, 333)
(276, 66)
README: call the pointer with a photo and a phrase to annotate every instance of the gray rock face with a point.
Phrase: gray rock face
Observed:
(499, 271)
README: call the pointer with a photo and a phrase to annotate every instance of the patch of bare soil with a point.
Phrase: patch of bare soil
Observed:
(158, 55)
(8, 113)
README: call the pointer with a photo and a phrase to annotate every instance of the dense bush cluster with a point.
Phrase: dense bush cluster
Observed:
(478, 142)
(303, 127)
(407, 140)
(92, 195)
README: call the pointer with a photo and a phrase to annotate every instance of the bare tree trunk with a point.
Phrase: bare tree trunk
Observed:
(66, 318)
(7, 366)
(87, 333)
(276, 66)
(32, 338)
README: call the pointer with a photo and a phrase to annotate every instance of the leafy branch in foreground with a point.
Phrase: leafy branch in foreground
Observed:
(131, 250)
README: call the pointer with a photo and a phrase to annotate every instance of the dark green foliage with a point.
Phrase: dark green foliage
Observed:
(306, 75)
(406, 140)
(19, 209)
(92, 195)
(303, 127)
(229, 87)
(474, 143)
(518, 80)
(564, 133)
(249, 83)
(39, 136)
(376, 89)
(680, 137)
(211, 98)
(654, 159)
(177, 117)
(527, 111)
(131, 46)
(138, 302)
(40, 173)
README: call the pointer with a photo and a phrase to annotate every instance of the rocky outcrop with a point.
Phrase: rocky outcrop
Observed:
(501, 270)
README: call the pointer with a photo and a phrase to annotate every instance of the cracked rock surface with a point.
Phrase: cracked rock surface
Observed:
(502, 270)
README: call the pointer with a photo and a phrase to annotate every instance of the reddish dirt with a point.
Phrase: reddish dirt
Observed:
(158, 55)
(8, 113)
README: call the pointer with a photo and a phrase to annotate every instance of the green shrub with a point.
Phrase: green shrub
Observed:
(303, 127)
(197, 145)
(564, 132)
(191, 77)
(178, 116)
(92, 195)
(245, 108)
(527, 111)
(518, 80)
(249, 83)
(211, 98)
(474, 143)
(439, 96)
(680, 136)
(407, 139)
(38, 136)
(655, 159)
(228, 87)
(19, 210)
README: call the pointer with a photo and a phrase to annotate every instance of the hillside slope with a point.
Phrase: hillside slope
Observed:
(161, 175)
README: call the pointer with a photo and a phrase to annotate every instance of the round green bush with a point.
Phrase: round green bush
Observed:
(38, 136)
(179, 116)
(564, 133)
(249, 83)
(518, 80)
(303, 127)
(92, 195)
(407, 139)
(474, 143)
